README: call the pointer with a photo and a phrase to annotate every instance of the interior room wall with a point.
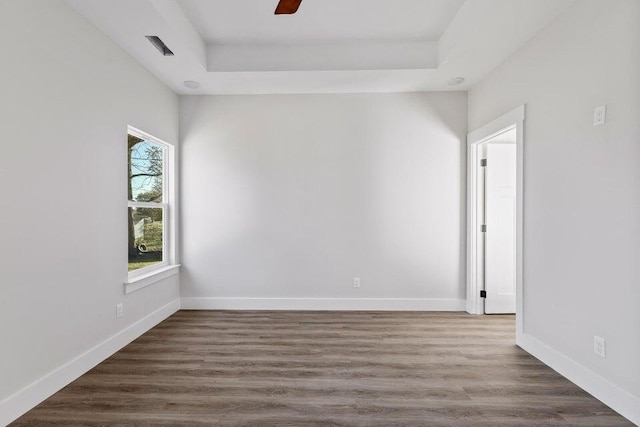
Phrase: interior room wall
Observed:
(581, 188)
(292, 196)
(68, 94)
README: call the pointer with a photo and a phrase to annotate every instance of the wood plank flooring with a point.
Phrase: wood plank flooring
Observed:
(323, 368)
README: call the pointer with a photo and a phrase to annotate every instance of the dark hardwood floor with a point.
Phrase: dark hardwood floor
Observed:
(323, 368)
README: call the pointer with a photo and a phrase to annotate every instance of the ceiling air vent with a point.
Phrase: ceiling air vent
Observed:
(159, 44)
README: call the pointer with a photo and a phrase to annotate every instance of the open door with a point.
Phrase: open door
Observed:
(500, 219)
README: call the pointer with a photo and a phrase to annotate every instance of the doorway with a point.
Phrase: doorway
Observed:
(495, 217)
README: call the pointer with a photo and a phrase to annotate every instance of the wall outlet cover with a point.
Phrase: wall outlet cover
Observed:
(600, 346)
(600, 115)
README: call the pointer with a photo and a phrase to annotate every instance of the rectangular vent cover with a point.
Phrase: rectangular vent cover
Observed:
(159, 44)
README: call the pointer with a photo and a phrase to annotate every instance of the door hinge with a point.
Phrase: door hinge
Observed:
(483, 294)
(483, 228)
(483, 162)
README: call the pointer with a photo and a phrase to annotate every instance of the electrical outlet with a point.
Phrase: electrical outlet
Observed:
(119, 310)
(600, 115)
(356, 282)
(600, 346)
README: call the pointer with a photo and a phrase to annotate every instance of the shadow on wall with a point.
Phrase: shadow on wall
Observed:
(293, 195)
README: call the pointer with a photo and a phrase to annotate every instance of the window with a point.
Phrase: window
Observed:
(149, 204)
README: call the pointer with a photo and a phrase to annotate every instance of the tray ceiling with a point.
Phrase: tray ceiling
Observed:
(329, 46)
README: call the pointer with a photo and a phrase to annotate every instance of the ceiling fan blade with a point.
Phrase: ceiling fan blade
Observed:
(287, 7)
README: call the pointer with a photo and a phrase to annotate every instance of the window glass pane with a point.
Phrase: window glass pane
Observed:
(145, 164)
(145, 237)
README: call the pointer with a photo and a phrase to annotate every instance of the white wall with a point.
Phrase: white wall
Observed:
(361, 55)
(67, 96)
(291, 196)
(582, 184)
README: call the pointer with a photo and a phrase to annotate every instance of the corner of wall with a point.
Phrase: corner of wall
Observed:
(610, 394)
(19, 403)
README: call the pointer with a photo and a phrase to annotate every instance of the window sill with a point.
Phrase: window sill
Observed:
(139, 282)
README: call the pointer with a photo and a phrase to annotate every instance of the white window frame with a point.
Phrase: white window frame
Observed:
(146, 276)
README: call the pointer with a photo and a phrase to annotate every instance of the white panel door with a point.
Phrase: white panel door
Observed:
(500, 253)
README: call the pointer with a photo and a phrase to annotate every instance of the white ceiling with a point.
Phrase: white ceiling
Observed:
(341, 46)
(253, 21)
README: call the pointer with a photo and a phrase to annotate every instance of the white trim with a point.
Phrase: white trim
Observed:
(514, 118)
(169, 212)
(151, 205)
(142, 281)
(19, 403)
(143, 272)
(496, 127)
(474, 304)
(328, 304)
(173, 208)
(610, 394)
(146, 136)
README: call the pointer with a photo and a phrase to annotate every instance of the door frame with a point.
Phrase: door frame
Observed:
(514, 119)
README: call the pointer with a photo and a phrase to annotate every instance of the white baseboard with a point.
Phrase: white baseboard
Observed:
(19, 403)
(608, 393)
(324, 304)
